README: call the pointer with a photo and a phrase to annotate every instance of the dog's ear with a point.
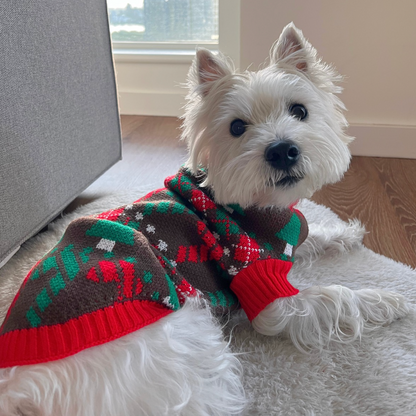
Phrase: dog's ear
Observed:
(292, 49)
(208, 68)
(293, 52)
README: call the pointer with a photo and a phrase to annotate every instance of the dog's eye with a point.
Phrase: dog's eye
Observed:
(237, 127)
(298, 111)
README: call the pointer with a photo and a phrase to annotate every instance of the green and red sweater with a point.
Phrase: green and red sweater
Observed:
(121, 270)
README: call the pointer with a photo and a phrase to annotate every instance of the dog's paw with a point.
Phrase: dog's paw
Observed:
(379, 307)
(318, 315)
(331, 240)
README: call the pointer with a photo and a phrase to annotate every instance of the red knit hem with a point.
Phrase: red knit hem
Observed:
(261, 283)
(48, 343)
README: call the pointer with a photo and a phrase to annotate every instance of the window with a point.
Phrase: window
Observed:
(163, 24)
(154, 43)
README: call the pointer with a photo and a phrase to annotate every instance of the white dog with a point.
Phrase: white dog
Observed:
(264, 140)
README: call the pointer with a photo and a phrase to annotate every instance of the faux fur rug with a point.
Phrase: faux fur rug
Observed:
(374, 376)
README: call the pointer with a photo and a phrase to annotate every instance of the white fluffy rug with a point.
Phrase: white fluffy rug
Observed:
(374, 376)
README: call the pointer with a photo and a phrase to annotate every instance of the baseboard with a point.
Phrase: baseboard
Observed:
(383, 141)
(151, 103)
(371, 140)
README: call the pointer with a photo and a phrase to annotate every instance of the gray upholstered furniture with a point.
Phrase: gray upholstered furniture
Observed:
(59, 123)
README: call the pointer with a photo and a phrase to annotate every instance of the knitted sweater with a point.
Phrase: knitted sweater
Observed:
(121, 270)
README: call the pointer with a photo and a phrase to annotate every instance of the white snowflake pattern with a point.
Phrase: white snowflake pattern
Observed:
(288, 250)
(216, 235)
(129, 206)
(162, 246)
(166, 301)
(173, 263)
(227, 251)
(106, 245)
(232, 271)
(139, 216)
(150, 229)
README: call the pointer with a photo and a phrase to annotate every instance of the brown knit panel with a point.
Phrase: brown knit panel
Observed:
(146, 250)
(98, 283)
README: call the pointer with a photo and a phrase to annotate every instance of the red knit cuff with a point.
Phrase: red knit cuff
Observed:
(48, 343)
(261, 283)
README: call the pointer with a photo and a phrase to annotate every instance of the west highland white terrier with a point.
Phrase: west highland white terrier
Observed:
(120, 318)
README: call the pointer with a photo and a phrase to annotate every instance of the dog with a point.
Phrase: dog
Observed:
(258, 142)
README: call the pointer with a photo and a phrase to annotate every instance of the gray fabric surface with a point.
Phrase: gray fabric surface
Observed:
(59, 126)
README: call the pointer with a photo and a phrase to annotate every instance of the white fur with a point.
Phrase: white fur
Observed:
(318, 315)
(237, 170)
(329, 240)
(179, 365)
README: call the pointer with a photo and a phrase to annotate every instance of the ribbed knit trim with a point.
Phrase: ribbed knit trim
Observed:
(48, 343)
(261, 283)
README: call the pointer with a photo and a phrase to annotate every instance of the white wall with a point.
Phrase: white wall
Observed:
(371, 42)
(149, 88)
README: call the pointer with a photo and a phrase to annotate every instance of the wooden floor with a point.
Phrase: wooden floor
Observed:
(380, 192)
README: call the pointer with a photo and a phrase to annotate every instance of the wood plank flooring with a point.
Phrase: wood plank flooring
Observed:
(380, 192)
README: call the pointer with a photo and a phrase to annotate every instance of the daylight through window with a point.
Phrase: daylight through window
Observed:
(164, 21)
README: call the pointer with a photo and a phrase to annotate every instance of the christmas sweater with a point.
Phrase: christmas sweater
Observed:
(116, 272)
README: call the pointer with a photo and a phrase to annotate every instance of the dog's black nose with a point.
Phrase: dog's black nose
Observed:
(282, 155)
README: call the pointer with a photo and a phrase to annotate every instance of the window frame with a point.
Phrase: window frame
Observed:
(149, 80)
(183, 51)
(179, 45)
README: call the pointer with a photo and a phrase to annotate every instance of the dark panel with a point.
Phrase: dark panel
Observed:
(59, 126)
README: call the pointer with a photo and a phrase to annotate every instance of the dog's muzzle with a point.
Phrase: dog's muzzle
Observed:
(282, 155)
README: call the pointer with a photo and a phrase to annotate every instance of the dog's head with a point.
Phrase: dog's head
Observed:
(268, 137)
